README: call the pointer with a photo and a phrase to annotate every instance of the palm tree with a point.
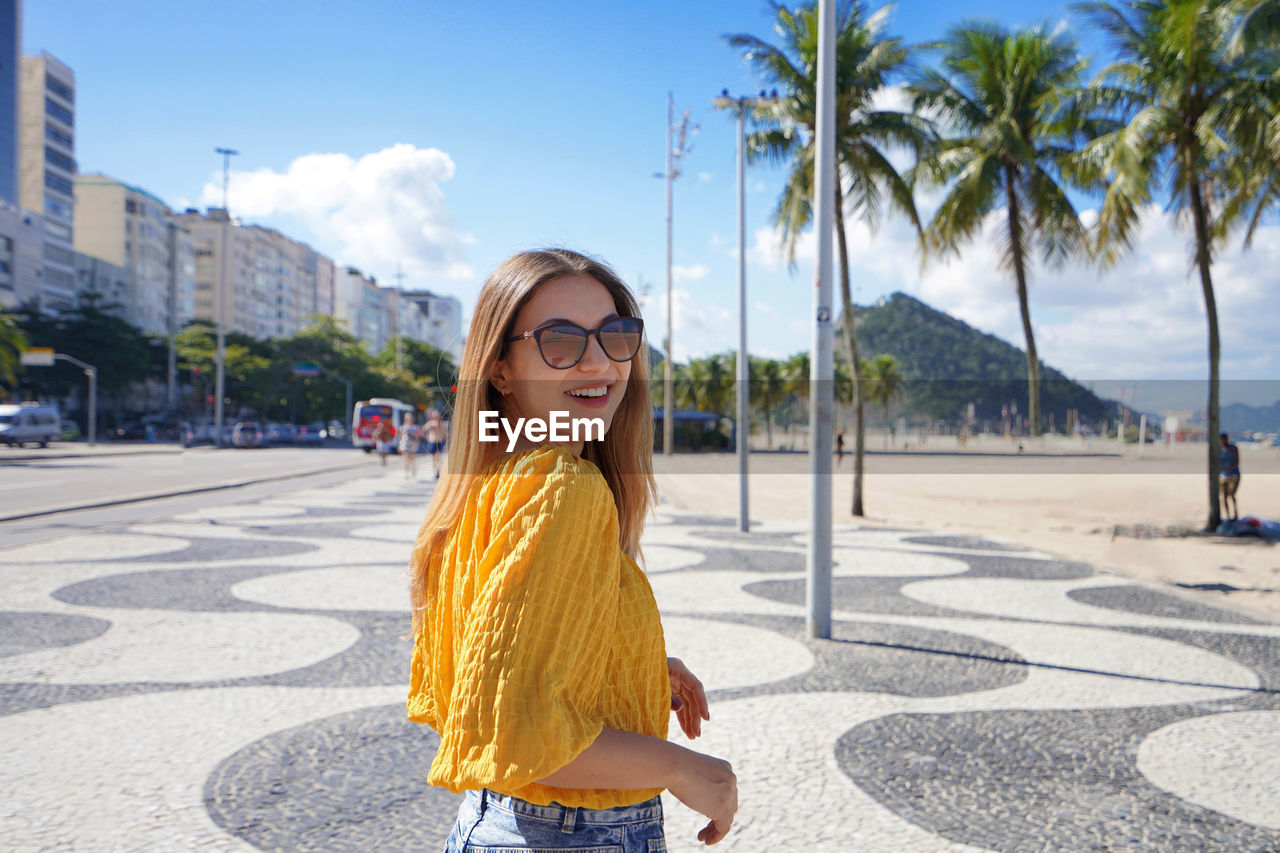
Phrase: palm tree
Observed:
(12, 343)
(884, 382)
(866, 181)
(1002, 96)
(768, 387)
(1195, 88)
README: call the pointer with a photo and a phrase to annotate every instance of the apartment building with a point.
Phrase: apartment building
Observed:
(21, 261)
(10, 51)
(47, 170)
(358, 305)
(261, 282)
(132, 229)
(441, 321)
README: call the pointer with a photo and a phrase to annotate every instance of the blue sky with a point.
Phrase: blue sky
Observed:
(446, 136)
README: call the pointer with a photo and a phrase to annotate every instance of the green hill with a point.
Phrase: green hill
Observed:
(949, 364)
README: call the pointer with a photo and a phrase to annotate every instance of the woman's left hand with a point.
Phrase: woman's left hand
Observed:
(688, 699)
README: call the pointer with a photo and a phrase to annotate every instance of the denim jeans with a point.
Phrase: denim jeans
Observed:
(497, 823)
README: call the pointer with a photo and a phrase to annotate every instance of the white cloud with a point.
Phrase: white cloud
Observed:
(705, 177)
(383, 208)
(700, 327)
(1143, 319)
(691, 272)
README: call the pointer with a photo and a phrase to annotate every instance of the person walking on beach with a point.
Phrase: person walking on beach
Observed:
(382, 435)
(409, 446)
(1229, 478)
(435, 438)
(839, 447)
(538, 651)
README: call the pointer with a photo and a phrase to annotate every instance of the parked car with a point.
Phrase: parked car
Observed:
(312, 435)
(248, 434)
(32, 423)
(70, 431)
(135, 431)
(274, 434)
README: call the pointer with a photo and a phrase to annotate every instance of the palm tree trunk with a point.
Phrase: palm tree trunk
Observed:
(851, 338)
(1020, 271)
(1211, 309)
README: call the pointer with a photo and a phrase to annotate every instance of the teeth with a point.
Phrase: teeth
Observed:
(599, 391)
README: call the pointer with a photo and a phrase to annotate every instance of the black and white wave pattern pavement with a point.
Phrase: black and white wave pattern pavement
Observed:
(234, 679)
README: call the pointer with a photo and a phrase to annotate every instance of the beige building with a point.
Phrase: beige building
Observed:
(259, 281)
(47, 170)
(131, 228)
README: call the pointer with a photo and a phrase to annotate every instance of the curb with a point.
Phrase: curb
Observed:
(179, 493)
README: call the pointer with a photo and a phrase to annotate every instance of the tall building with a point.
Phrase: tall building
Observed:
(47, 170)
(129, 227)
(442, 319)
(259, 281)
(358, 304)
(10, 51)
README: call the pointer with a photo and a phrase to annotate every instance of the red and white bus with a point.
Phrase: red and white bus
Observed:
(369, 413)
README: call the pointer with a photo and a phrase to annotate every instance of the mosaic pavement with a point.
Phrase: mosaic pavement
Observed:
(234, 678)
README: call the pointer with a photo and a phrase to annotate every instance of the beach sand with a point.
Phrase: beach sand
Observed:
(1063, 497)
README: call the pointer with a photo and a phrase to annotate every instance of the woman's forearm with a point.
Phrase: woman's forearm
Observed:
(621, 761)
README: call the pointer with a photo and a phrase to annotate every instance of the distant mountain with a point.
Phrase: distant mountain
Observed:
(949, 364)
(1238, 417)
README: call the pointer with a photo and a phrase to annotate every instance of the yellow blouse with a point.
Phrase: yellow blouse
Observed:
(539, 632)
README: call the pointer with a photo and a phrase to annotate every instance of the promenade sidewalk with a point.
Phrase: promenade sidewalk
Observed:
(233, 678)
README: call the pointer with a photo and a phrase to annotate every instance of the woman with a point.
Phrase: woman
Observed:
(538, 651)
(409, 446)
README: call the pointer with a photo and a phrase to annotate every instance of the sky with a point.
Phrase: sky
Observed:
(437, 139)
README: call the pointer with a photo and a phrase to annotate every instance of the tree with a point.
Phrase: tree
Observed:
(1194, 90)
(1009, 142)
(12, 343)
(768, 387)
(866, 180)
(884, 382)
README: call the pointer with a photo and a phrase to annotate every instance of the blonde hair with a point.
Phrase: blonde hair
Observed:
(624, 457)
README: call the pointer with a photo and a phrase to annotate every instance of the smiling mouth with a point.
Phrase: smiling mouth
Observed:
(592, 395)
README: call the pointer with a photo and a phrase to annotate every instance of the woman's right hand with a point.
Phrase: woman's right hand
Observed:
(707, 785)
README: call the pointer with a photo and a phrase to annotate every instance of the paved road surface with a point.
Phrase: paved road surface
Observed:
(232, 676)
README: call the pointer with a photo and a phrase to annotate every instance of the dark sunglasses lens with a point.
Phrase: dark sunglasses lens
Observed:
(620, 339)
(562, 346)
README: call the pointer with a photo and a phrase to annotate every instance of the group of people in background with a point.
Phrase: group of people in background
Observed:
(411, 438)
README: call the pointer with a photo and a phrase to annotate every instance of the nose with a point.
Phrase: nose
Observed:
(593, 360)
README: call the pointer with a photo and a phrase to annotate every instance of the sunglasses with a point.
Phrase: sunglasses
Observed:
(562, 344)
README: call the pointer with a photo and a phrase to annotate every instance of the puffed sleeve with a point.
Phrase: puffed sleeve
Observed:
(525, 699)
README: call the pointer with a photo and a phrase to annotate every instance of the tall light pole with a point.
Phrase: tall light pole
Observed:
(674, 153)
(220, 377)
(743, 430)
(821, 367)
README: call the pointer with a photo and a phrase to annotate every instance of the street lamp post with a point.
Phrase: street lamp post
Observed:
(743, 430)
(821, 366)
(91, 372)
(220, 376)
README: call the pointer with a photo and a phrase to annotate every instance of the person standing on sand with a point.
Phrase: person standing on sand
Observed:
(1229, 478)
(839, 447)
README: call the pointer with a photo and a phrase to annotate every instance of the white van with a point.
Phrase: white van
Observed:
(29, 422)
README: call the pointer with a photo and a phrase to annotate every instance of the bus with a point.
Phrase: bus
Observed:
(367, 415)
